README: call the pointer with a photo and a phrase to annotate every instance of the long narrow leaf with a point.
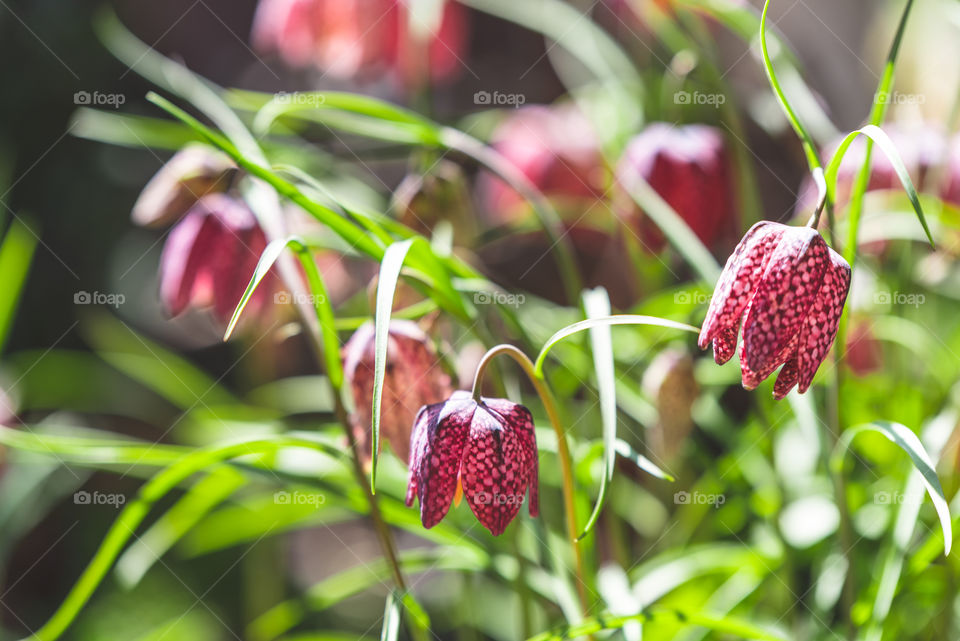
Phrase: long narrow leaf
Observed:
(390, 268)
(596, 304)
(878, 136)
(909, 443)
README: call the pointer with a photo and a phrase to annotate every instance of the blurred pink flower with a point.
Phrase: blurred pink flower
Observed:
(349, 38)
(489, 448)
(210, 256)
(789, 288)
(557, 150)
(413, 378)
(688, 167)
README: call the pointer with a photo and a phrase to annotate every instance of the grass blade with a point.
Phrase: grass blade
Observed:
(878, 136)
(596, 304)
(909, 443)
(390, 268)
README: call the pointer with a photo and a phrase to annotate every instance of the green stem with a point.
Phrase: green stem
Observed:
(563, 450)
(877, 113)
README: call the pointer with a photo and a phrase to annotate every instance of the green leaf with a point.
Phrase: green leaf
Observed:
(207, 493)
(391, 618)
(269, 256)
(16, 254)
(390, 268)
(909, 443)
(809, 147)
(620, 319)
(626, 451)
(724, 625)
(878, 136)
(596, 304)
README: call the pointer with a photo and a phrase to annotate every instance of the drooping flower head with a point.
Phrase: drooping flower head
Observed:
(210, 256)
(789, 288)
(488, 447)
(412, 379)
(689, 168)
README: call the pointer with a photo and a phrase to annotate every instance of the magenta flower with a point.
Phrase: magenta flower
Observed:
(209, 257)
(688, 166)
(489, 448)
(789, 288)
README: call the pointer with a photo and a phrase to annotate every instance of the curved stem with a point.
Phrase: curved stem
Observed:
(563, 450)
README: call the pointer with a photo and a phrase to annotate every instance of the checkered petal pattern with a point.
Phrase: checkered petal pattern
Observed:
(788, 288)
(488, 447)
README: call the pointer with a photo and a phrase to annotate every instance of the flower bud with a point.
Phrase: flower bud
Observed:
(192, 173)
(689, 168)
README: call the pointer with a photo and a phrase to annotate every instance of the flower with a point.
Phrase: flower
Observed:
(557, 150)
(348, 38)
(412, 378)
(193, 172)
(488, 447)
(688, 167)
(210, 256)
(789, 288)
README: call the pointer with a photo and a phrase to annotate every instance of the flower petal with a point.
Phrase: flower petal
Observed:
(725, 344)
(786, 379)
(521, 420)
(497, 463)
(739, 280)
(437, 445)
(184, 265)
(820, 327)
(783, 300)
